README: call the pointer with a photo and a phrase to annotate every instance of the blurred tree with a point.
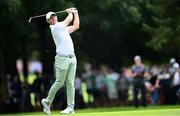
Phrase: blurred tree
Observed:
(8, 42)
(164, 28)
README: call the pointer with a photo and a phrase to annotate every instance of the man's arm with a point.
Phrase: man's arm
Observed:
(76, 22)
(69, 18)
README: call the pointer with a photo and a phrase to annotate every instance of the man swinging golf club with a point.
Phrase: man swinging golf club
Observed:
(65, 59)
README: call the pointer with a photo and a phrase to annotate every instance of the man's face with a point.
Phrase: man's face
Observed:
(138, 62)
(52, 20)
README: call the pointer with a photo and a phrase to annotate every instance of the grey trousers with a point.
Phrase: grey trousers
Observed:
(65, 69)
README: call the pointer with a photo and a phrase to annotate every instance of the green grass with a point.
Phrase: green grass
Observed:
(117, 111)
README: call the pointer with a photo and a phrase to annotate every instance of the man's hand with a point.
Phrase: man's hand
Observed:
(74, 11)
(71, 10)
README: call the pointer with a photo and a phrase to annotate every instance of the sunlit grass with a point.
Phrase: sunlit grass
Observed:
(118, 111)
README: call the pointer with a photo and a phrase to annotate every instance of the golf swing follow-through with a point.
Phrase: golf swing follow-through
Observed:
(37, 16)
(65, 59)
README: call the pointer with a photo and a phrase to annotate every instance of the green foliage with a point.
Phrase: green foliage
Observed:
(164, 32)
(111, 31)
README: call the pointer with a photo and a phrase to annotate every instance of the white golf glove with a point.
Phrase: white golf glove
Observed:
(71, 10)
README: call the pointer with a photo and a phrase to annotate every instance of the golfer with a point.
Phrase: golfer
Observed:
(65, 59)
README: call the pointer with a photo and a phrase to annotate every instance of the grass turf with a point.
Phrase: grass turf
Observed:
(117, 111)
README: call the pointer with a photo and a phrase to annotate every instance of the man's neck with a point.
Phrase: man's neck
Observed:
(54, 23)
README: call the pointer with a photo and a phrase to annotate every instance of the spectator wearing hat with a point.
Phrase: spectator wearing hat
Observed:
(175, 83)
(171, 69)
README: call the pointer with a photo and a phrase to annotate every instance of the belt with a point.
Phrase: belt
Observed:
(66, 56)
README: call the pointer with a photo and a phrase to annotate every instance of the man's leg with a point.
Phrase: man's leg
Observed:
(70, 83)
(143, 93)
(60, 77)
(135, 95)
(59, 82)
(70, 87)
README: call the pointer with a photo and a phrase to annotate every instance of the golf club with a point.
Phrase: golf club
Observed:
(58, 12)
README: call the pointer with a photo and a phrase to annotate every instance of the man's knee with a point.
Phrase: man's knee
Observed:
(69, 83)
(59, 83)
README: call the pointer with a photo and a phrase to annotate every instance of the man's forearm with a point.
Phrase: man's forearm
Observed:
(70, 17)
(76, 21)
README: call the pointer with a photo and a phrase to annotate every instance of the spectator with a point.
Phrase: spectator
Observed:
(175, 83)
(78, 92)
(123, 86)
(171, 69)
(138, 83)
(100, 87)
(15, 93)
(111, 79)
(26, 102)
(37, 88)
(154, 85)
(165, 83)
(88, 77)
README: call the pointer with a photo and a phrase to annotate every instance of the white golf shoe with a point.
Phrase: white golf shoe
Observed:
(46, 107)
(68, 110)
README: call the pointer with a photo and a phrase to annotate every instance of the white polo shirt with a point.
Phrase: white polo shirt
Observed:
(62, 39)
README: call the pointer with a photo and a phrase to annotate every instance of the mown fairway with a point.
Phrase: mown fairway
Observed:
(120, 111)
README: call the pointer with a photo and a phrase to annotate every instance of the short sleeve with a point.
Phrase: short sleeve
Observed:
(67, 29)
(61, 25)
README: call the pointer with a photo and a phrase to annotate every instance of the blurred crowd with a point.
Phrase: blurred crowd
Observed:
(137, 85)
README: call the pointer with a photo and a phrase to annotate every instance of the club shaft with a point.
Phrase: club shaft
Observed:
(45, 14)
(60, 11)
